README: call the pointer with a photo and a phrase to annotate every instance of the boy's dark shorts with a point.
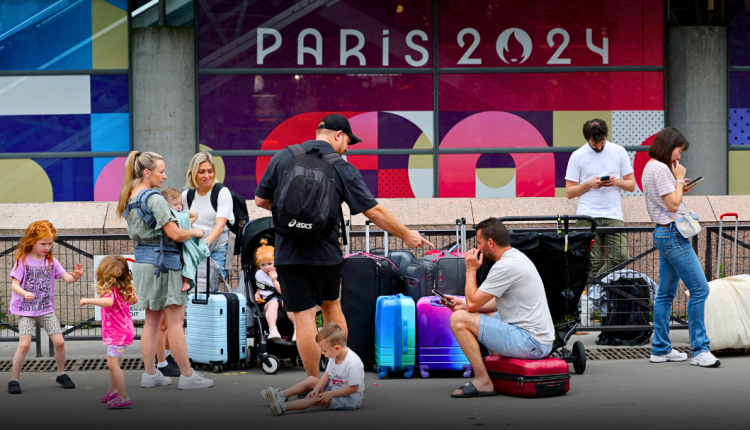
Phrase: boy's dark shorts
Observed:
(304, 286)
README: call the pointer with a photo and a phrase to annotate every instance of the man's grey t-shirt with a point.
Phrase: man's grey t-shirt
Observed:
(351, 189)
(519, 295)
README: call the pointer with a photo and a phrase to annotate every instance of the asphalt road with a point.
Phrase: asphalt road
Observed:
(622, 394)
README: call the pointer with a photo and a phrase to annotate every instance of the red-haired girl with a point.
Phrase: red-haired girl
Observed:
(33, 298)
(114, 286)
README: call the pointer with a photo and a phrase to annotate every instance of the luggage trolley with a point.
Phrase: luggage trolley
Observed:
(734, 250)
(554, 253)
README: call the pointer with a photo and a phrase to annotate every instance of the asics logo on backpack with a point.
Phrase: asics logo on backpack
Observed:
(294, 223)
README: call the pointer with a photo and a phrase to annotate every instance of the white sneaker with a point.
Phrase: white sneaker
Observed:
(673, 355)
(705, 359)
(278, 391)
(150, 381)
(273, 334)
(194, 382)
(277, 407)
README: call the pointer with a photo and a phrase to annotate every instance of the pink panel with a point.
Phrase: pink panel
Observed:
(365, 126)
(552, 91)
(641, 158)
(535, 173)
(109, 181)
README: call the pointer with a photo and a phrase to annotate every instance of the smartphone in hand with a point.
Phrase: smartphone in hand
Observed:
(443, 299)
(604, 178)
(693, 183)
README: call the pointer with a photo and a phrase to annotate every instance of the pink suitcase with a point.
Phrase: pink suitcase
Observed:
(437, 348)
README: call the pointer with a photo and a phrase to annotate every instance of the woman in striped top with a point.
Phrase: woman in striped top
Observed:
(663, 183)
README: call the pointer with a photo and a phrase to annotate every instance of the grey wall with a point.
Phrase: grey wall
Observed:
(697, 102)
(163, 102)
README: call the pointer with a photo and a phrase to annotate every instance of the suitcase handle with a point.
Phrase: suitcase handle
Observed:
(549, 389)
(196, 300)
(405, 335)
(551, 218)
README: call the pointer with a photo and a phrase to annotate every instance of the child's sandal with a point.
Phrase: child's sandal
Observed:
(109, 396)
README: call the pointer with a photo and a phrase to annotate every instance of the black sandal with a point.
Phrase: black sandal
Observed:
(14, 387)
(469, 390)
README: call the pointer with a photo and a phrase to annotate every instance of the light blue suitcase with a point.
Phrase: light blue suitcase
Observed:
(395, 335)
(216, 329)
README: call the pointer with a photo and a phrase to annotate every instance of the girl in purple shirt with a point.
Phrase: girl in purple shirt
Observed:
(114, 285)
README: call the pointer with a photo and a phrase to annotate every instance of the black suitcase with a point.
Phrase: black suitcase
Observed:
(419, 279)
(365, 277)
(450, 270)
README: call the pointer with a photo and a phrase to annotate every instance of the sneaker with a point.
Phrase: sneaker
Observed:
(65, 381)
(195, 381)
(171, 360)
(109, 396)
(273, 334)
(705, 359)
(673, 355)
(150, 381)
(171, 370)
(118, 403)
(279, 394)
(14, 387)
(277, 407)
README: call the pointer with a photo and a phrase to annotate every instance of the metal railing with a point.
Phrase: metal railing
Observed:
(78, 322)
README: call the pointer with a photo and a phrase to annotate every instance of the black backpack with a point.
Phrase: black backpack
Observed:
(628, 304)
(239, 209)
(306, 204)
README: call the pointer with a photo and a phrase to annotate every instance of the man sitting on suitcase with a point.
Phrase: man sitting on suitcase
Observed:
(517, 323)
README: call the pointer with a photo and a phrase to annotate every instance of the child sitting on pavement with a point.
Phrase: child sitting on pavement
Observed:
(342, 386)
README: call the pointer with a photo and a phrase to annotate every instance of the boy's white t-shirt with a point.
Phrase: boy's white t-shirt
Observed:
(586, 164)
(350, 372)
(206, 213)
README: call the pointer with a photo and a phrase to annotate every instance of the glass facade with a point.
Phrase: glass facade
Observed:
(500, 78)
(64, 88)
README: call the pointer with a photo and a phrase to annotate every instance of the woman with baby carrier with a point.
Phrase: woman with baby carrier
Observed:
(157, 270)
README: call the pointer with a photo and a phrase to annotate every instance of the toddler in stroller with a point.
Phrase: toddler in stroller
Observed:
(269, 291)
(257, 242)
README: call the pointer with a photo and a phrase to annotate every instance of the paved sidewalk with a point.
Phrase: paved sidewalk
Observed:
(622, 394)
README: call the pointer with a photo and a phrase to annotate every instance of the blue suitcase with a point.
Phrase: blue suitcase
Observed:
(395, 335)
(216, 329)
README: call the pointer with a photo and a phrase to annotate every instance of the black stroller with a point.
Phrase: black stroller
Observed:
(270, 352)
(563, 259)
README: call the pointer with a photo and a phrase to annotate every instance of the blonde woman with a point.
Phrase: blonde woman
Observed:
(157, 270)
(213, 202)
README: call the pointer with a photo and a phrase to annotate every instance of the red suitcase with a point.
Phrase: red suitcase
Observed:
(528, 378)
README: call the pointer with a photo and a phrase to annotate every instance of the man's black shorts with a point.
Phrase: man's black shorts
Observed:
(304, 286)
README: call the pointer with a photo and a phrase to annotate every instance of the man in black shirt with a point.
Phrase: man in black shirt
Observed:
(310, 271)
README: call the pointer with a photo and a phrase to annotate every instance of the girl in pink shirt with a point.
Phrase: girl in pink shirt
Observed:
(114, 285)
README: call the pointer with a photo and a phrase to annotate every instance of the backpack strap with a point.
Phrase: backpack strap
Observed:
(296, 149)
(190, 197)
(215, 195)
(334, 158)
(140, 206)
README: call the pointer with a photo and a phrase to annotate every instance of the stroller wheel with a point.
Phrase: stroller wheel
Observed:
(579, 357)
(273, 368)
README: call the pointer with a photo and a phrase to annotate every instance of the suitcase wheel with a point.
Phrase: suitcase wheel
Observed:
(579, 357)
(217, 368)
(424, 371)
(272, 367)
(467, 373)
(382, 372)
(408, 374)
(244, 365)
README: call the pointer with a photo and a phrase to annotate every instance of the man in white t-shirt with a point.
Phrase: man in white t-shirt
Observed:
(597, 198)
(517, 323)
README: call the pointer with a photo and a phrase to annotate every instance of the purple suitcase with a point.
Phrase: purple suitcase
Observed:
(437, 347)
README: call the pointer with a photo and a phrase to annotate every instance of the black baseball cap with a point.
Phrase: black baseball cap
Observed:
(338, 122)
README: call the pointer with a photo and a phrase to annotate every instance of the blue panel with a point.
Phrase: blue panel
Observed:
(72, 178)
(45, 34)
(109, 132)
(109, 94)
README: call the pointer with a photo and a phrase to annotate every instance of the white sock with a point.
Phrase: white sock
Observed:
(161, 364)
(271, 328)
(61, 374)
(167, 353)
